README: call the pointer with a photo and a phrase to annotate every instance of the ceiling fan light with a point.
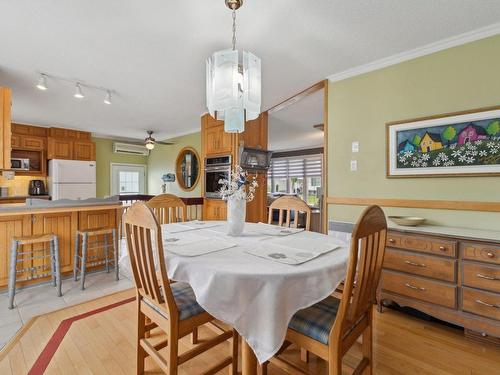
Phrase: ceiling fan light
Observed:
(107, 98)
(150, 144)
(78, 92)
(42, 83)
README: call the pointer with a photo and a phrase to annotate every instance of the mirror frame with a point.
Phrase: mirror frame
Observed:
(178, 172)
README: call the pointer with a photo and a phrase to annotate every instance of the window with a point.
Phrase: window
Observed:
(127, 179)
(300, 175)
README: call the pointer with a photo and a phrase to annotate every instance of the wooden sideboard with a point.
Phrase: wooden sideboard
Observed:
(450, 274)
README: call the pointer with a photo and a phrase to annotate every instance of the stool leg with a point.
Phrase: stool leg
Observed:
(12, 274)
(52, 262)
(83, 268)
(75, 261)
(106, 252)
(117, 256)
(57, 270)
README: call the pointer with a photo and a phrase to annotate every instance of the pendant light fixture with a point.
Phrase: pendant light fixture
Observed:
(78, 92)
(42, 83)
(234, 83)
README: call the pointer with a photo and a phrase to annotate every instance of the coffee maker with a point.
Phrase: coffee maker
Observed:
(37, 187)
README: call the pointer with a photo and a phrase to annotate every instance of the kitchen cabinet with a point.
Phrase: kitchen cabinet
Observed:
(257, 209)
(5, 127)
(15, 141)
(215, 140)
(255, 134)
(69, 133)
(214, 209)
(59, 148)
(9, 227)
(83, 150)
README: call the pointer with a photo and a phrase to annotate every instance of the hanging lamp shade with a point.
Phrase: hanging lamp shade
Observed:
(233, 88)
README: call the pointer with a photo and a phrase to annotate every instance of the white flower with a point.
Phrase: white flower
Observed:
(449, 163)
(415, 163)
(408, 153)
(424, 164)
(238, 185)
(462, 158)
(490, 144)
(453, 146)
(436, 162)
(456, 153)
(483, 153)
(480, 142)
(470, 160)
(442, 156)
(426, 157)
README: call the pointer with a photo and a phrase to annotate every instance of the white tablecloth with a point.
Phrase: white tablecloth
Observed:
(257, 296)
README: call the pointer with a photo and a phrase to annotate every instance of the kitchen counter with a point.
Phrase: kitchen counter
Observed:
(62, 218)
(21, 198)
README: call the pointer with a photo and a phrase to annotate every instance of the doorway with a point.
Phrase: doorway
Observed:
(127, 179)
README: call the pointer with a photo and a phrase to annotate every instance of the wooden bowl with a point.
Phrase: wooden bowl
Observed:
(407, 221)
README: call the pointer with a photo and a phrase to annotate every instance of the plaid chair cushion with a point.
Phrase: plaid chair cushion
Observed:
(185, 300)
(317, 320)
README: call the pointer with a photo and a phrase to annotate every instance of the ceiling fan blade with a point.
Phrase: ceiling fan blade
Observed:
(165, 143)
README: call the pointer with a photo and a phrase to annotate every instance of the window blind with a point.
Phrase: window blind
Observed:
(306, 166)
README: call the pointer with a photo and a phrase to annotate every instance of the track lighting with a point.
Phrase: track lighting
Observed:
(42, 82)
(107, 99)
(78, 92)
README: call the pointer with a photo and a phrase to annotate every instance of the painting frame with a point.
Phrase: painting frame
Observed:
(453, 119)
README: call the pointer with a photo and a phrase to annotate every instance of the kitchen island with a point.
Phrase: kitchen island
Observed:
(62, 218)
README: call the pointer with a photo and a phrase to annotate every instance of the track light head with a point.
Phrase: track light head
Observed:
(78, 92)
(42, 83)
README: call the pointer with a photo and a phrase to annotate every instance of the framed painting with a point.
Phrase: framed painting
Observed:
(456, 144)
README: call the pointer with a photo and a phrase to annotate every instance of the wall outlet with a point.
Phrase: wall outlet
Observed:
(354, 165)
(8, 175)
(355, 146)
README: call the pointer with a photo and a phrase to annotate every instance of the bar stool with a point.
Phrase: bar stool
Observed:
(86, 260)
(34, 257)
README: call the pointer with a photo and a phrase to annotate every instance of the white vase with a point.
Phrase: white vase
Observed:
(236, 213)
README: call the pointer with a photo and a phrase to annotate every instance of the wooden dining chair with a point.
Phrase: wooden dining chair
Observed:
(287, 205)
(330, 327)
(171, 307)
(168, 208)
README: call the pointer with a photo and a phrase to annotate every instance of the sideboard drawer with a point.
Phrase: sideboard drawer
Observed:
(426, 290)
(423, 244)
(419, 264)
(481, 276)
(481, 252)
(481, 303)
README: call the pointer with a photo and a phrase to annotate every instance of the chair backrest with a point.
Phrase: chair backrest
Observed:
(290, 204)
(168, 208)
(145, 249)
(365, 265)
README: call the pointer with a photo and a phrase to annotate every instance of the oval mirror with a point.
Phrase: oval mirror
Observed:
(187, 168)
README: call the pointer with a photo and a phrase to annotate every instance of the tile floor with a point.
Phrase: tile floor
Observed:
(33, 301)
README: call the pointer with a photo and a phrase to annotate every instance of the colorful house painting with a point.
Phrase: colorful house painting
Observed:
(406, 146)
(471, 133)
(431, 142)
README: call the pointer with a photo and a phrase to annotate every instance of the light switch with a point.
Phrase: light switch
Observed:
(354, 165)
(355, 146)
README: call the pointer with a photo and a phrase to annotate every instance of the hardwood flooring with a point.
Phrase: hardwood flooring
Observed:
(103, 343)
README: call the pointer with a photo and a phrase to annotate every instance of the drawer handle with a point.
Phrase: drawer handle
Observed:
(415, 264)
(481, 276)
(415, 287)
(392, 240)
(487, 304)
(490, 254)
(442, 248)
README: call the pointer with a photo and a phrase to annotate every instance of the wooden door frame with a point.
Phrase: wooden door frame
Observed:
(321, 85)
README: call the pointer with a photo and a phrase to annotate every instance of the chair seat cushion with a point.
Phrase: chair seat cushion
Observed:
(317, 320)
(185, 300)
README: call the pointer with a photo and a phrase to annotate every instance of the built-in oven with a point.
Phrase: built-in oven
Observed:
(216, 168)
(19, 164)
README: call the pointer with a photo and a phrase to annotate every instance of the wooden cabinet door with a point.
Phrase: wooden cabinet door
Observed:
(83, 150)
(255, 134)
(15, 141)
(257, 209)
(62, 224)
(214, 210)
(59, 148)
(215, 139)
(10, 226)
(212, 141)
(5, 127)
(33, 142)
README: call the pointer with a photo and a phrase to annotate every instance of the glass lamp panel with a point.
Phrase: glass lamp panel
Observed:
(251, 85)
(225, 80)
(209, 65)
(234, 121)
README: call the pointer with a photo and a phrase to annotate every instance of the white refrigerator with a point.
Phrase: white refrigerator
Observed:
(72, 179)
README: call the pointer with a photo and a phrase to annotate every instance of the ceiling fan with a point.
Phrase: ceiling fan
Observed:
(150, 142)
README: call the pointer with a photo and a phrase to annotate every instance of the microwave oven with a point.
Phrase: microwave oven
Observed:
(18, 164)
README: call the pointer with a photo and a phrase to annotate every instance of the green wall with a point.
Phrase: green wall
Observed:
(162, 160)
(105, 156)
(457, 79)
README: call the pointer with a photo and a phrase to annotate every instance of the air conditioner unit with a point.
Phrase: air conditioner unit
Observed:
(130, 149)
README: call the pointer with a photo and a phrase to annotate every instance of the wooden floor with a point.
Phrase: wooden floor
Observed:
(103, 343)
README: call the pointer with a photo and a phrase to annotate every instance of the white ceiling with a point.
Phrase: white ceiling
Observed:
(292, 127)
(153, 52)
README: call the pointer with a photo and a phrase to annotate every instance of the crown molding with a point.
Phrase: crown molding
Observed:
(428, 49)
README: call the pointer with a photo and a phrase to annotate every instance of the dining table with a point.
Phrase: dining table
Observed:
(246, 282)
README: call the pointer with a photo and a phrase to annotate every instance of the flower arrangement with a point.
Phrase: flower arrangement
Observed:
(238, 186)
